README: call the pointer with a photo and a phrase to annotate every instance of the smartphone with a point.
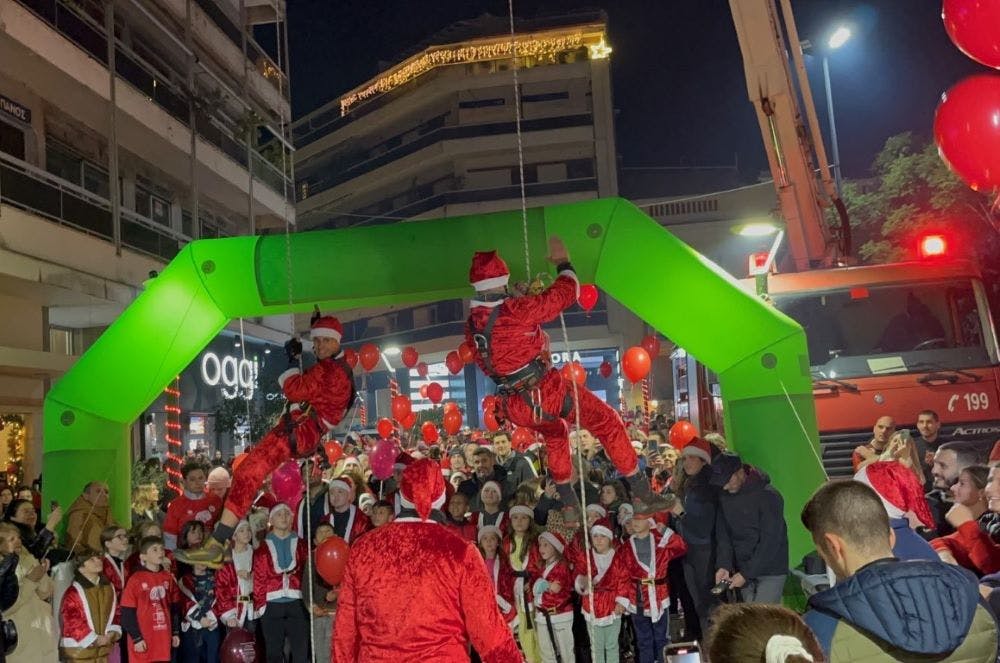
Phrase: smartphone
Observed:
(682, 652)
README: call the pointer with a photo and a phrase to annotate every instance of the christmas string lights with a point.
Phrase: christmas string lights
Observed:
(173, 436)
(13, 426)
(529, 46)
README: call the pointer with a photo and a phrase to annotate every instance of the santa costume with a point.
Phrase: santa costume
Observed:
(610, 587)
(512, 349)
(278, 569)
(348, 524)
(409, 585)
(86, 612)
(234, 588)
(553, 591)
(503, 577)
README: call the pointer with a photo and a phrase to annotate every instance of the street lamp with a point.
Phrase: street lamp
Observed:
(837, 39)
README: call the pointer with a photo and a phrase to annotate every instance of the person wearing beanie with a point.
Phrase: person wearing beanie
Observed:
(319, 398)
(488, 540)
(278, 567)
(408, 588)
(218, 482)
(903, 498)
(553, 592)
(604, 606)
(510, 347)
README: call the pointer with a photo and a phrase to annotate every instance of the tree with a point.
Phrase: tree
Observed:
(913, 193)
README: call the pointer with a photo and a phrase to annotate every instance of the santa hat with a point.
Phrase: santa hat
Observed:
(218, 478)
(488, 271)
(602, 527)
(522, 510)
(280, 506)
(366, 500)
(557, 540)
(494, 485)
(598, 509)
(898, 488)
(327, 327)
(697, 448)
(422, 488)
(343, 483)
(485, 530)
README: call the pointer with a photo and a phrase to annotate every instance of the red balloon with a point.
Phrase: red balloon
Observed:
(435, 392)
(401, 407)
(681, 433)
(972, 26)
(331, 559)
(369, 356)
(384, 427)
(422, 369)
(651, 344)
(451, 406)
(490, 421)
(466, 353)
(966, 131)
(351, 357)
(573, 371)
(410, 420)
(588, 296)
(522, 438)
(454, 362)
(429, 432)
(606, 369)
(238, 460)
(635, 363)
(334, 451)
(410, 357)
(452, 421)
(423, 391)
(240, 646)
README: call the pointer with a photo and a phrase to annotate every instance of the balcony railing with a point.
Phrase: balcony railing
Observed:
(29, 188)
(88, 35)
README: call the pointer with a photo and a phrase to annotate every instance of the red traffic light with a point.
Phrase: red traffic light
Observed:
(933, 246)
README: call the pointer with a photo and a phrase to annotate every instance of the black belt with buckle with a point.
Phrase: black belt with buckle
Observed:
(521, 380)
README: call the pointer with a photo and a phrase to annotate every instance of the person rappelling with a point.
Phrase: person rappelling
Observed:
(512, 349)
(317, 398)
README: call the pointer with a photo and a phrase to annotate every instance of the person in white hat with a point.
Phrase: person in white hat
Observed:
(511, 349)
(553, 592)
(319, 396)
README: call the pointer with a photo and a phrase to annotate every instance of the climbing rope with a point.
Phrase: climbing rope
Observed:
(520, 143)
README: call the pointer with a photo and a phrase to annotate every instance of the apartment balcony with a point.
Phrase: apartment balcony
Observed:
(61, 55)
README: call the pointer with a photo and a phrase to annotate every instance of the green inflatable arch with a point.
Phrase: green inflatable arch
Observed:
(758, 353)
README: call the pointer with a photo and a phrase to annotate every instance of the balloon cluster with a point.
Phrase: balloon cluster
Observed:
(966, 129)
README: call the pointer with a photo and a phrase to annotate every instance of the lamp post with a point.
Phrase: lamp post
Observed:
(837, 39)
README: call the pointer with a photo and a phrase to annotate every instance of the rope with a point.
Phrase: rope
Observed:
(246, 400)
(520, 143)
(805, 433)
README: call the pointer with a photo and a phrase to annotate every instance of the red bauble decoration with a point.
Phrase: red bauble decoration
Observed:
(351, 357)
(635, 363)
(606, 369)
(422, 369)
(967, 133)
(429, 432)
(401, 407)
(331, 559)
(452, 421)
(651, 344)
(369, 356)
(454, 362)
(681, 433)
(588, 297)
(573, 371)
(410, 357)
(973, 27)
(522, 438)
(384, 427)
(465, 353)
(451, 406)
(410, 420)
(435, 392)
(240, 646)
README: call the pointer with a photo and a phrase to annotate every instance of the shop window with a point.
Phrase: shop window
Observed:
(12, 140)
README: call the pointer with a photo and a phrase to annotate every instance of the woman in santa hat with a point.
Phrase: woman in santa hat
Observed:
(902, 496)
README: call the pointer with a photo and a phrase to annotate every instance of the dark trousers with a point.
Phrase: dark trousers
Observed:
(699, 576)
(285, 620)
(201, 645)
(651, 637)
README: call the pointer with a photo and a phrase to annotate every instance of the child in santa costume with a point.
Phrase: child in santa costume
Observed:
(512, 349)
(488, 539)
(605, 605)
(114, 541)
(318, 399)
(645, 556)
(87, 613)
(335, 505)
(553, 591)
(234, 583)
(151, 607)
(278, 566)
(492, 513)
(414, 591)
(200, 632)
(457, 518)
(521, 550)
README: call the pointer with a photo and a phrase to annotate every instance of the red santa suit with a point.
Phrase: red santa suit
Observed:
(273, 581)
(185, 507)
(234, 593)
(502, 575)
(320, 396)
(501, 522)
(648, 584)
(553, 604)
(114, 572)
(511, 348)
(409, 585)
(609, 581)
(189, 605)
(86, 612)
(151, 595)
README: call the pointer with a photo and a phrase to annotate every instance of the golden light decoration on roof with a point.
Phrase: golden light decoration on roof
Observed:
(542, 45)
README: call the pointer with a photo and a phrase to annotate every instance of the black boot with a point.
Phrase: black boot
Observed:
(638, 484)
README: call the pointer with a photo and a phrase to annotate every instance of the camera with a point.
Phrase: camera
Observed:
(682, 652)
(722, 587)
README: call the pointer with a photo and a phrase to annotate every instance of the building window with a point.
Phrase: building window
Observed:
(12, 140)
(548, 96)
(482, 103)
(95, 180)
(61, 341)
(63, 162)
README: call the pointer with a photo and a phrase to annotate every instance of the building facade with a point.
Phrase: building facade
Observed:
(127, 129)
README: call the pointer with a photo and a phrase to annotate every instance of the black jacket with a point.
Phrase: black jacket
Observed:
(751, 531)
(471, 487)
(701, 503)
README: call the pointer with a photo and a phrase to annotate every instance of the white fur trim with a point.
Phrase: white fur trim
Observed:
(324, 332)
(435, 505)
(571, 274)
(553, 540)
(597, 508)
(692, 450)
(491, 283)
(603, 531)
(473, 303)
(521, 509)
(276, 508)
(287, 374)
(486, 530)
(340, 483)
(890, 508)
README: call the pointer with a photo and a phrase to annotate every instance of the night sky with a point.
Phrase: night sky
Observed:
(678, 77)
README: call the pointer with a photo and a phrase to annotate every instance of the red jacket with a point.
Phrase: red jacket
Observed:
(182, 508)
(533, 568)
(559, 605)
(76, 614)
(502, 521)
(466, 529)
(188, 605)
(271, 581)
(151, 594)
(357, 523)
(326, 386)
(517, 337)
(972, 548)
(234, 595)
(649, 583)
(611, 586)
(503, 581)
(116, 575)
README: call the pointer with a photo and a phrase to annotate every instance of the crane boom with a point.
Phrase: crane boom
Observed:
(792, 154)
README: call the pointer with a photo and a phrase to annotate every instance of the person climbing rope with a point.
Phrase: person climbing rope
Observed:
(511, 348)
(318, 399)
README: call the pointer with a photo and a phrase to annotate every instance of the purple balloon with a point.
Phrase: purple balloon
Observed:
(382, 458)
(286, 482)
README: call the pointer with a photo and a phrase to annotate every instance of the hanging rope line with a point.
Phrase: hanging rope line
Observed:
(520, 143)
(246, 399)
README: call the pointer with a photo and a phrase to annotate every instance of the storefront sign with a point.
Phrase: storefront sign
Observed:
(563, 357)
(234, 374)
(15, 110)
